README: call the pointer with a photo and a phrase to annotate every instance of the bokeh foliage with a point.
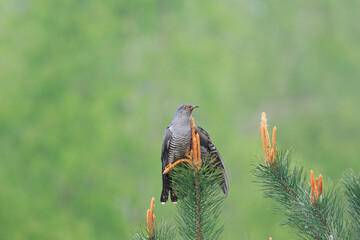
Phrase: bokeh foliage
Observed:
(88, 87)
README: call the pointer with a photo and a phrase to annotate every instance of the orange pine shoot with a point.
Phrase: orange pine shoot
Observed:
(194, 151)
(321, 184)
(312, 181)
(192, 126)
(150, 219)
(172, 165)
(316, 189)
(262, 128)
(149, 226)
(312, 186)
(269, 152)
(274, 138)
(199, 151)
(152, 204)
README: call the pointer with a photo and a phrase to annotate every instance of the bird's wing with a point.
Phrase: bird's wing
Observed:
(165, 148)
(208, 147)
(165, 151)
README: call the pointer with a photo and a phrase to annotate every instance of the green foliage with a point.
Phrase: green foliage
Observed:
(288, 185)
(200, 201)
(163, 231)
(351, 183)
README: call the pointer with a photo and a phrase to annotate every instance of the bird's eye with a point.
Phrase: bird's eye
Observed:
(185, 107)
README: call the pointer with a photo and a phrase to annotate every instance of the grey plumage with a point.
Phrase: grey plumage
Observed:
(176, 143)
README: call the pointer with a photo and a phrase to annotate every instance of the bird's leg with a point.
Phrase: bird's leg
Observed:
(171, 166)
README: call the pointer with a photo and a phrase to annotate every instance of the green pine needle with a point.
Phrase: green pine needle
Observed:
(200, 200)
(162, 231)
(351, 182)
(289, 186)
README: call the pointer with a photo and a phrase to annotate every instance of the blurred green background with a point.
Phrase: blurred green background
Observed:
(88, 87)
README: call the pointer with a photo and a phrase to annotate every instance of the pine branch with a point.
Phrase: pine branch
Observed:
(200, 200)
(198, 208)
(163, 231)
(286, 185)
(312, 214)
(153, 231)
(351, 182)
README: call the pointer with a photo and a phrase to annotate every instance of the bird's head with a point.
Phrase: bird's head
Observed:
(184, 110)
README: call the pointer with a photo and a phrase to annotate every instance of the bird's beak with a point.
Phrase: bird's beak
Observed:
(192, 107)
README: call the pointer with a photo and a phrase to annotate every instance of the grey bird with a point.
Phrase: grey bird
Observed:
(177, 142)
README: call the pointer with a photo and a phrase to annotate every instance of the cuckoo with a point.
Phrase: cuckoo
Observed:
(176, 144)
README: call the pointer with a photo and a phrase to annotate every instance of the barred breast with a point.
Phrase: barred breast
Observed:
(179, 146)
